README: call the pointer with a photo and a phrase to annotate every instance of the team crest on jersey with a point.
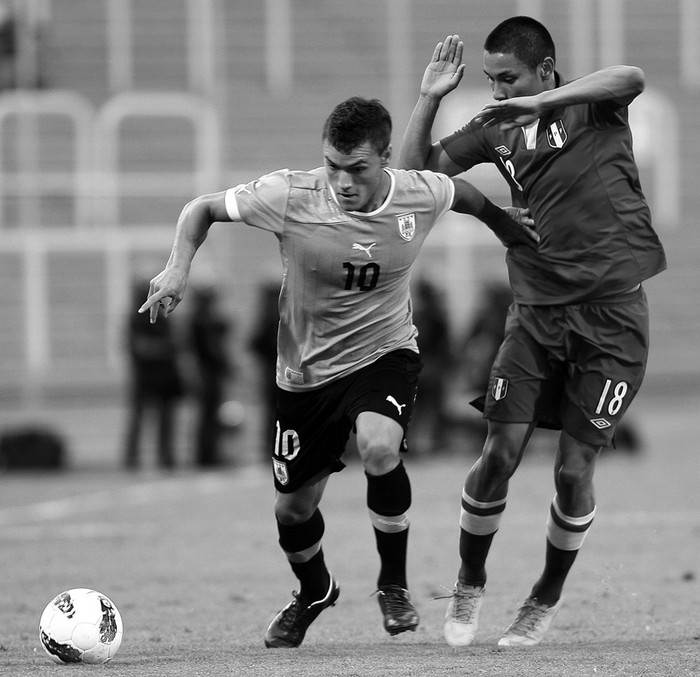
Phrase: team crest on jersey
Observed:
(280, 468)
(499, 388)
(407, 226)
(556, 134)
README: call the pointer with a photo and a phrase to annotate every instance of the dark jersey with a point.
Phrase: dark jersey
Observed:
(575, 170)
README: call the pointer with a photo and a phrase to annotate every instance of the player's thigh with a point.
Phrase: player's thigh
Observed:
(311, 436)
(610, 366)
(523, 381)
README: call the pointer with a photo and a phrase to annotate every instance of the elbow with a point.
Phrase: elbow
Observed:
(202, 209)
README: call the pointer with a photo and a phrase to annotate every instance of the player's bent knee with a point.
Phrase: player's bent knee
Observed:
(290, 510)
(499, 458)
(573, 476)
(378, 458)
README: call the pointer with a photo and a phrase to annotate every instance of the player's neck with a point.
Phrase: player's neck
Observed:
(380, 194)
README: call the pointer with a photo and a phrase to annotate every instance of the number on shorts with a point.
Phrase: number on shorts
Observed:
(286, 443)
(615, 402)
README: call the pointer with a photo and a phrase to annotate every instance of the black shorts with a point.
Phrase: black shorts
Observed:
(576, 367)
(313, 427)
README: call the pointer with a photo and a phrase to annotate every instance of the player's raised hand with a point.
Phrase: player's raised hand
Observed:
(165, 293)
(510, 113)
(445, 69)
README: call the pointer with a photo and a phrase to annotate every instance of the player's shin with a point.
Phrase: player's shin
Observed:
(388, 501)
(565, 536)
(479, 522)
(302, 546)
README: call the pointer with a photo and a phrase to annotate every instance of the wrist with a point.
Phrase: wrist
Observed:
(429, 99)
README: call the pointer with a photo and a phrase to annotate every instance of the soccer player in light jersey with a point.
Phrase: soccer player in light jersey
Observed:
(349, 233)
(576, 339)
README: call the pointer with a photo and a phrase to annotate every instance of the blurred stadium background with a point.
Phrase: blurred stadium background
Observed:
(126, 109)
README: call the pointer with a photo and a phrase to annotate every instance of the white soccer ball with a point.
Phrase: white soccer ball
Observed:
(81, 626)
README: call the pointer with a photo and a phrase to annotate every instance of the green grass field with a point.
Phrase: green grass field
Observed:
(192, 562)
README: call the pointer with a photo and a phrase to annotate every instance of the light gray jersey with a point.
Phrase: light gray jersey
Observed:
(344, 300)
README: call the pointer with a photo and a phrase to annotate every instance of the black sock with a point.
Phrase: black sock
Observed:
(388, 500)
(473, 551)
(302, 545)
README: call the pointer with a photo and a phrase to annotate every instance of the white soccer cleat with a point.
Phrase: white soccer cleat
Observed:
(462, 617)
(530, 625)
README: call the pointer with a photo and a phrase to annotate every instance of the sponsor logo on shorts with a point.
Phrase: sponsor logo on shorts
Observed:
(499, 389)
(600, 423)
(280, 468)
(407, 226)
(392, 400)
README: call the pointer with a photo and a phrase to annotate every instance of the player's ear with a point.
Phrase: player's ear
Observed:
(386, 156)
(546, 68)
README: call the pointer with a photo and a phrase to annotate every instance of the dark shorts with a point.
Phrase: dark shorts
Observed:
(313, 427)
(575, 367)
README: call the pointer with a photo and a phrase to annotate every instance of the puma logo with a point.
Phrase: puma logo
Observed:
(366, 249)
(390, 398)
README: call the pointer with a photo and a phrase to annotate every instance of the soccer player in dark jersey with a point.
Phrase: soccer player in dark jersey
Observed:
(349, 233)
(576, 337)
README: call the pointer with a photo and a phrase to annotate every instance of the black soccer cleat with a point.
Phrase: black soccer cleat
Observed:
(289, 626)
(399, 613)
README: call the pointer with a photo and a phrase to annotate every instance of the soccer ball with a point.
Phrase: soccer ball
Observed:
(81, 626)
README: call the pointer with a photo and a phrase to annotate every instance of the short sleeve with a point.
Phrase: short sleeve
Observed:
(261, 203)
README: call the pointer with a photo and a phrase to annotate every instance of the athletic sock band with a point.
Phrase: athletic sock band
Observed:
(566, 532)
(481, 518)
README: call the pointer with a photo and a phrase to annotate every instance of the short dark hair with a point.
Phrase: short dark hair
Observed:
(355, 121)
(527, 39)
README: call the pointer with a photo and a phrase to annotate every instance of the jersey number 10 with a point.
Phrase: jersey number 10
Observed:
(367, 276)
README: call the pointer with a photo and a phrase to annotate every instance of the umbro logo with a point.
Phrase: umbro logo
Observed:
(392, 400)
(600, 423)
(366, 249)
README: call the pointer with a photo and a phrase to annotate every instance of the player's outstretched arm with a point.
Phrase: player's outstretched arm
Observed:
(168, 287)
(512, 226)
(442, 75)
(621, 84)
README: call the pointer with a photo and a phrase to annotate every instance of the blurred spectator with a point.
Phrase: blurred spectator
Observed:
(263, 344)
(428, 423)
(485, 335)
(208, 336)
(474, 355)
(156, 382)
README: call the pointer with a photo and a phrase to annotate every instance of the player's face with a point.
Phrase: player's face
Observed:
(510, 77)
(358, 179)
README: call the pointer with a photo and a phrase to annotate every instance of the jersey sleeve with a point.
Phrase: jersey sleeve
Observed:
(261, 203)
(443, 190)
(466, 146)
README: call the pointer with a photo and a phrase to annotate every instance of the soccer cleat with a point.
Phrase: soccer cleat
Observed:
(530, 625)
(462, 616)
(289, 626)
(399, 613)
